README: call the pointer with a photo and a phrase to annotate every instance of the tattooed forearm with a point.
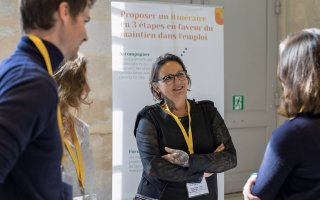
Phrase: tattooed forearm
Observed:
(177, 157)
(181, 158)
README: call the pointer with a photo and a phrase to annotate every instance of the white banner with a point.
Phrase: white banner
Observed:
(140, 33)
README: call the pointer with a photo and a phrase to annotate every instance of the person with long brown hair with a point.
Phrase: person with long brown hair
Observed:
(290, 167)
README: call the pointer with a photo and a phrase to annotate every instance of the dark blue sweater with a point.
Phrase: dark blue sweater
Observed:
(30, 143)
(291, 165)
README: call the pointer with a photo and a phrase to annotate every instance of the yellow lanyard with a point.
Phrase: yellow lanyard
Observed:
(187, 137)
(301, 109)
(44, 52)
(78, 163)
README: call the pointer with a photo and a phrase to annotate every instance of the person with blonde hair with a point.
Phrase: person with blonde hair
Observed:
(290, 167)
(73, 90)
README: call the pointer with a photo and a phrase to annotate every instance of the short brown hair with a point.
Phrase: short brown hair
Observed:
(72, 84)
(39, 13)
(160, 61)
(299, 73)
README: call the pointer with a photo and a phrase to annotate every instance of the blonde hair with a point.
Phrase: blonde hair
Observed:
(73, 88)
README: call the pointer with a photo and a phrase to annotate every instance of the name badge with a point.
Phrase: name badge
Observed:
(197, 189)
(86, 197)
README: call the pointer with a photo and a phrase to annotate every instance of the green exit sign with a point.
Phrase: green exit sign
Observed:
(237, 102)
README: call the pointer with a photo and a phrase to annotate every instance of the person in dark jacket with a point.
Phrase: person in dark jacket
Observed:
(290, 167)
(30, 142)
(183, 144)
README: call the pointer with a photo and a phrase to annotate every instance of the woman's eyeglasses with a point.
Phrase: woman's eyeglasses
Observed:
(168, 79)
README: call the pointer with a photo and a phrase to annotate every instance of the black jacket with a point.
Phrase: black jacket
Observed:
(155, 129)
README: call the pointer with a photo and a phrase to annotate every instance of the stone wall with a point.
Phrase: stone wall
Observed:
(296, 15)
(99, 113)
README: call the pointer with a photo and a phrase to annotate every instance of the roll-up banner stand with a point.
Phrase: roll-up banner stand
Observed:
(140, 33)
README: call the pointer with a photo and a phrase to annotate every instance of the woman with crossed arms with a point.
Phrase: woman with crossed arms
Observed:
(183, 144)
